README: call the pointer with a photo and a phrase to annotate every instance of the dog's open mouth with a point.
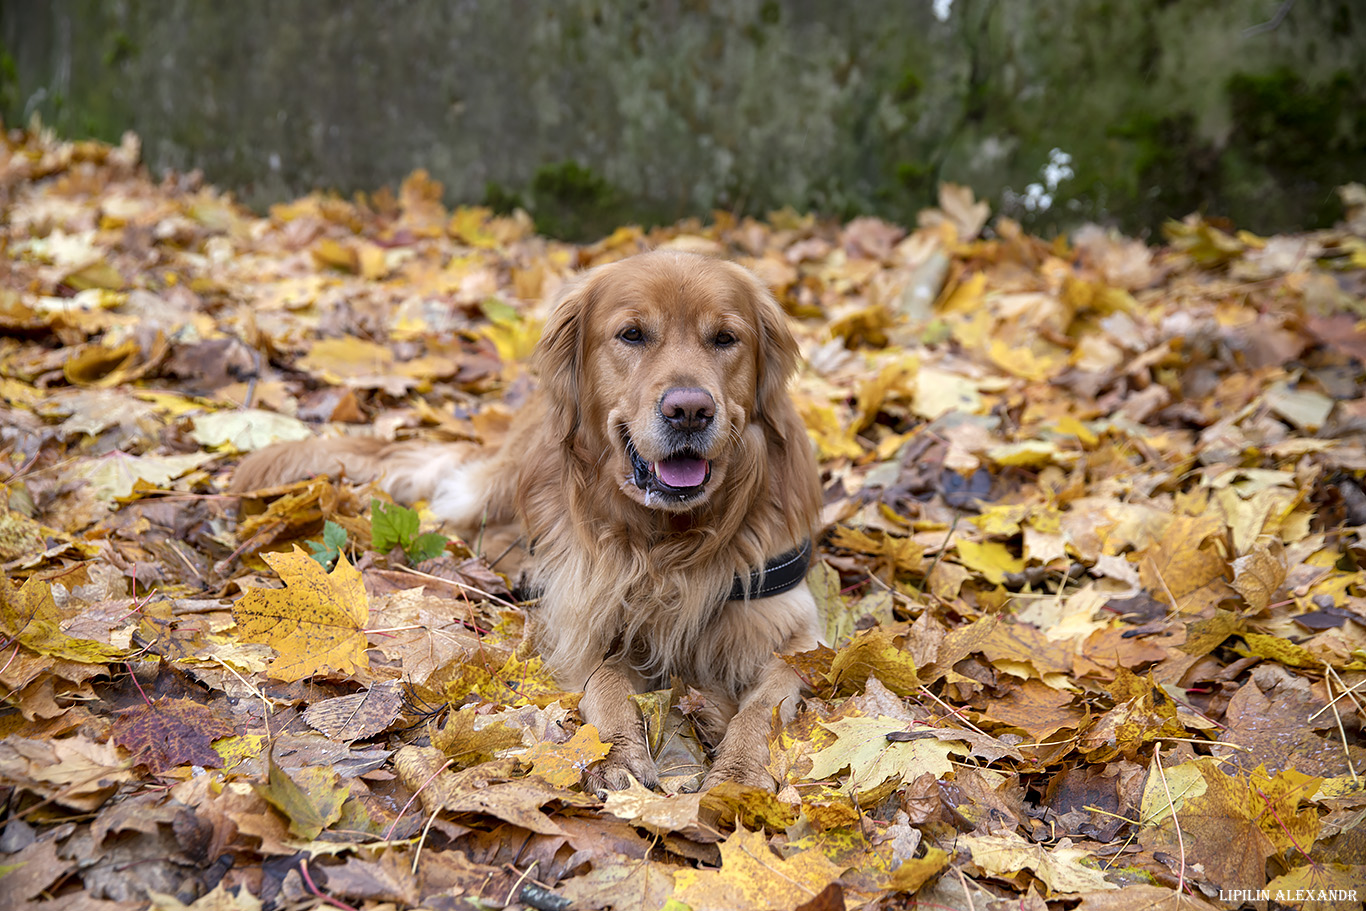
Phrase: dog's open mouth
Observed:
(681, 476)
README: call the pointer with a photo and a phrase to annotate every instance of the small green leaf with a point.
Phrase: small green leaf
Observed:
(330, 547)
(334, 536)
(392, 526)
(426, 547)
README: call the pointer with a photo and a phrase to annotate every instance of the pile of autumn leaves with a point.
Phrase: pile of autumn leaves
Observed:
(1091, 569)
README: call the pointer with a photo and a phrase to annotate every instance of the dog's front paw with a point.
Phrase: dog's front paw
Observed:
(628, 758)
(747, 773)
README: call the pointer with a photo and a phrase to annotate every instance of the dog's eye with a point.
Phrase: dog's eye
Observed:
(631, 335)
(724, 339)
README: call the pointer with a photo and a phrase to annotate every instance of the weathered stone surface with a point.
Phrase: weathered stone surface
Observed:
(592, 112)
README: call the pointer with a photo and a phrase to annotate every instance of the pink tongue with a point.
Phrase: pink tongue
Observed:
(682, 472)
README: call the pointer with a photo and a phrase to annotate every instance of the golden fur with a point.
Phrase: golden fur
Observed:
(633, 569)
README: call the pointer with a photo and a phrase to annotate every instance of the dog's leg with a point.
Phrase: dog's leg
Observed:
(607, 705)
(743, 754)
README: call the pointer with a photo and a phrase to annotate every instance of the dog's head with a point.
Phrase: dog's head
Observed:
(659, 364)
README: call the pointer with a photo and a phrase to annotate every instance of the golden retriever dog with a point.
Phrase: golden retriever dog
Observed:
(668, 491)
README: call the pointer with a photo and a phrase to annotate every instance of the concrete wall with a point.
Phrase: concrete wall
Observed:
(593, 112)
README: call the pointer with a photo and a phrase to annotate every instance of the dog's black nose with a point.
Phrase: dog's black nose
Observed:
(687, 408)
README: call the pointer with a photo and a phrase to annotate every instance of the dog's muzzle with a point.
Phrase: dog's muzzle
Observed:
(680, 477)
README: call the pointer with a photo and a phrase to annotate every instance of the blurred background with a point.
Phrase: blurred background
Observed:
(591, 113)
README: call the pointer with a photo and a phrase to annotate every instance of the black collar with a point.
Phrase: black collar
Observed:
(783, 573)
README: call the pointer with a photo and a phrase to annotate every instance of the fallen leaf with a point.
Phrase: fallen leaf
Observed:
(310, 798)
(1059, 867)
(659, 813)
(753, 877)
(116, 475)
(359, 715)
(563, 764)
(171, 732)
(863, 746)
(317, 622)
(873, 652)
(470, 738)
(389, 879)
(30, 617)
(247, 429)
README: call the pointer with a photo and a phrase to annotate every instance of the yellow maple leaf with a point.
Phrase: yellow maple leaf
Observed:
(514, 340)
(967, 297)
(823, 425)
(310, 797)
(1182, 570)
(469, 224)
(901, 554)
(562, 764)
(515, 682)
(1035, 365)
(1031, 454)
(873, 652)
(340, 359)
(469, 745)
(990, 558)
(1230, 824)
(1280, 649)
(317, 621)
(1002, 518)
(752, 876)
(938, 392)
(330, 253)
(915, 872)
(889, 384)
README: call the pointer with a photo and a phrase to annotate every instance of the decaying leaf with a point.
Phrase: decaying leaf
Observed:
(862, 746)
(660, 813)
(30, 617)
(1059, 867)
(1258, 575)
(874, 652)
(171, 732)
(469, 738)
(73, 771)
(358, 715)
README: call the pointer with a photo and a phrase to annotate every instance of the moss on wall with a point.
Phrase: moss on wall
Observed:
(591, 113)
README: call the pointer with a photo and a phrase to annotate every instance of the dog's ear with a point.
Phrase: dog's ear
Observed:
(778, 355)
(794, 479)
(559, 356)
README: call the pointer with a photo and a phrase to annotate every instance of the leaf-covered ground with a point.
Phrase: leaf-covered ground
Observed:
(1091, 563)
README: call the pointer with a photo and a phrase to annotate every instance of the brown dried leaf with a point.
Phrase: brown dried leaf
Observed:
(358, 715)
